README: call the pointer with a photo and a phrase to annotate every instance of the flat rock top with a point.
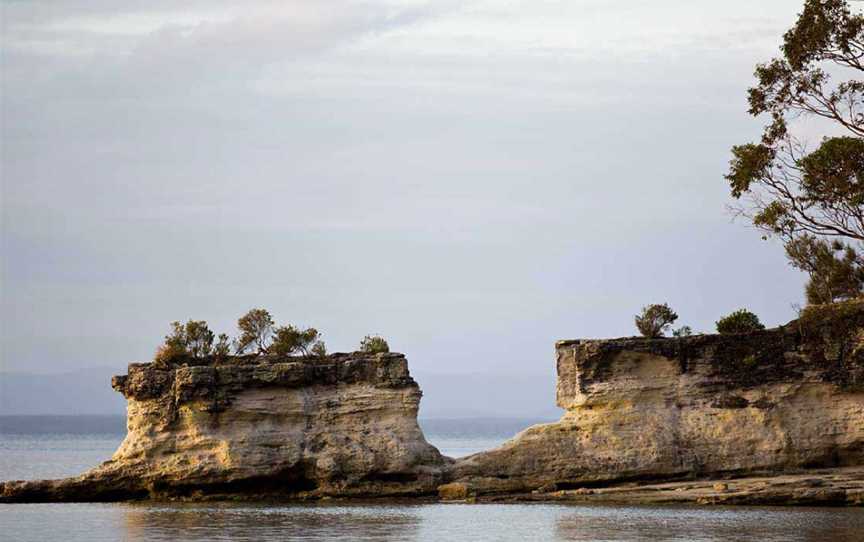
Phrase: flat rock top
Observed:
(151, 380)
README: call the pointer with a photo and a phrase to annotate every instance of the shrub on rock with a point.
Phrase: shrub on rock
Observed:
(374, 345)
(655, 320)
(318, 350)
(683, 331)
(256, 329)
(192, 340)
(290, 340)
(740, 321)
(222, 348)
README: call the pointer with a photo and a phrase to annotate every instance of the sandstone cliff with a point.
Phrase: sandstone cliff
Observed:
(638, 409)
(778, 415)
(255, 427)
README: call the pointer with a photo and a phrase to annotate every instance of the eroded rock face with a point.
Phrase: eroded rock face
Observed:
(344, 426)
(713, 405)
(750, 407)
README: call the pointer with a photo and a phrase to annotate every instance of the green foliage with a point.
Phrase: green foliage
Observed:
(792, 193)
(835, 334)
(222, 348)
(834, 173)
(655, 320)
(199, 339)
(838, 322)
(256, 330)
(826, 36)
(749, 163)
(289, 340)
(683, 331)
(168, 355)
(318, 350)
(374, 345)
(836, 270)
(192, 340)
(740, 321)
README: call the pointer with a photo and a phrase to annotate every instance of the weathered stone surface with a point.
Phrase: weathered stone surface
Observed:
(771, 417)
(454, 492)
(714, 405)
(822, 487)
(346, 426)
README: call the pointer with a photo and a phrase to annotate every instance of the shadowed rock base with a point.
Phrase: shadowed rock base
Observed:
(830, 487)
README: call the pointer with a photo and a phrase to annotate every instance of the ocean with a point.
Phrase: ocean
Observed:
(58, 446)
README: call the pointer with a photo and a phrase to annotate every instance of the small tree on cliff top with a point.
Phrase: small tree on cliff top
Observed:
(740, 321)
(374, 345)
(289, 340)
(190, 340)
(655, 320)
(256, 329)
(222, 348)
(817, 196)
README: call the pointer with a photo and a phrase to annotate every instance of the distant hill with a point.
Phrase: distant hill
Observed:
(88, 392)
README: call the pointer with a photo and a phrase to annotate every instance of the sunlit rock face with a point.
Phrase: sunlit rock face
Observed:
(783, 401)
(652, 409)
(342, 426)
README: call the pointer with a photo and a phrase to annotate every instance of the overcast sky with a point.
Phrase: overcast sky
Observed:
(473, 180)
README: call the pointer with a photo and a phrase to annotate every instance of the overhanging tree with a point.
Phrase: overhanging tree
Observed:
(792, 192)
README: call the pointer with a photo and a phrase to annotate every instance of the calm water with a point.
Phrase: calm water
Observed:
(54, 447)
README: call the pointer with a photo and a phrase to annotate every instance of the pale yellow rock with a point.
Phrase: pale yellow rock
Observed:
(696, 407)
(343, 426)
(453, 492)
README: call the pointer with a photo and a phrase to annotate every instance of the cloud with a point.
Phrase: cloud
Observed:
(459, 173)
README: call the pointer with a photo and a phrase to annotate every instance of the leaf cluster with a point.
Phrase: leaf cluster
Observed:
(740, 321)
(192, 340)
(655, 320)
(256, 329)
(836, 270)
(257, 333)
(290, 340)
(793, 192)
(374, 344)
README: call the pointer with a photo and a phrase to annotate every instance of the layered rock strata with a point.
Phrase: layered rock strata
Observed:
(769, 417)
(260, 428)
(642, 410)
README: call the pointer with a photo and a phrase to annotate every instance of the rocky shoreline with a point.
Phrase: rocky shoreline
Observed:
(818, 487)
(768, 417)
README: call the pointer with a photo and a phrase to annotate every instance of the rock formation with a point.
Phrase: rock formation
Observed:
(768, 417)
(637, 409)
(257, 427)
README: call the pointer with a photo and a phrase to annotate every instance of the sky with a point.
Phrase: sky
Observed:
(472, 180)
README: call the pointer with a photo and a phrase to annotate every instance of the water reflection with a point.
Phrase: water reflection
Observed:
(227, 522)
(690, 524)
(388, 522)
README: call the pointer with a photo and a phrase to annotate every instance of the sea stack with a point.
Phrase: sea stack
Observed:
(257, 427)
